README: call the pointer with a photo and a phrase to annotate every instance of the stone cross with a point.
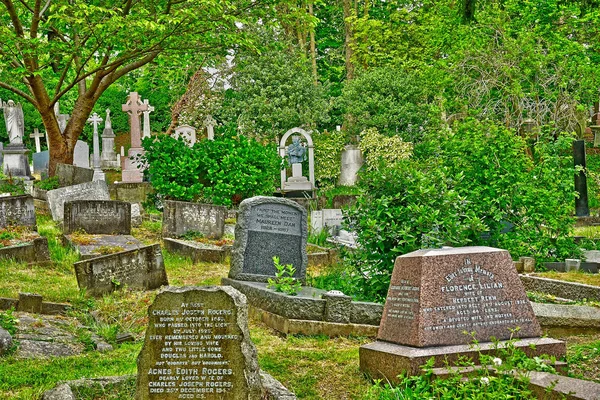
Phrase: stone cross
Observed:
(134, 107)
(210, 123)
(146, 131)
(98, 174)
(62, 118)
(37, 135)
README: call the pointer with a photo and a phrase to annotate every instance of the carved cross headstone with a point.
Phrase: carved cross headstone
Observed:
(37, 135)
(146, 132)
(62, 118)
(134, 107)
(210, 123)
(95, 121)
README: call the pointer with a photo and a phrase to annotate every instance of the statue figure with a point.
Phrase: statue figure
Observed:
(13, 117)
(296, 151)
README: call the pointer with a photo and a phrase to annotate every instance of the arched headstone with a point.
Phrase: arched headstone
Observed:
(296, 182)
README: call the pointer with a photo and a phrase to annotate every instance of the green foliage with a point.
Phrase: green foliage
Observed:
(284, 279)
(8, 321)
(328, 150)
(223, 171)
(48, 184)
(377, 148)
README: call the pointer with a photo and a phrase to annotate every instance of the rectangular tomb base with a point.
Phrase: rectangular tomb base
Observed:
(383, 360)
(289, 326)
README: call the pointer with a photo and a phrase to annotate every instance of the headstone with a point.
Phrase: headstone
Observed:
(98, 174)
(17, 211)
(187, 132)
(267, 227)
(81, 154)
(180, 217)
(327, 217)
(296, 153)
(61, 118)
(316, 221)
(441, 300)
(146, 128)
(435, 295)
(132, 171)
(108, 158)
(97, 190)
(41, 162)
(198, 346)
(69, 175)
(210, 123)
(97, 217)
(352, 161)
(138, 269)
(36, 135)
(15, 154)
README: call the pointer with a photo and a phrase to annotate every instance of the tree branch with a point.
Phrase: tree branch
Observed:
(18, 92)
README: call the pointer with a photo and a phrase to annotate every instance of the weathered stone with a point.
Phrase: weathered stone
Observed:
(61, 392)
(98, 245)
(267, 227)
(567, 316)
(30, 302)
(136, 214)
(81, 154)
(352, 161)
(17, 211)
(102, 217)
(41, 162)
(16, 162)
(141, 269)
(131, 192)
(69, 175)
(86, 191)
(180, 217)
(563, 289)
(337, 305)
(228, 356)
(6, 341)
(550, 386)
(436, 295)
(34, 252)
(198, 252)
(125, 337)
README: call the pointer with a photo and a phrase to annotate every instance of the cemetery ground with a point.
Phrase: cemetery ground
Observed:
(313, 367)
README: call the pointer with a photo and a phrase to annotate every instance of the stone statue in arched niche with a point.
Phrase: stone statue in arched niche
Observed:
(296, 153)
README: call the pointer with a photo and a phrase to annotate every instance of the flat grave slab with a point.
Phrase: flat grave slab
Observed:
(91, 246)
(198, 252)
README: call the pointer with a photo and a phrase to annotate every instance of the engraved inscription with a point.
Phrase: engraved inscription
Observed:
(275, 218)
(192, 341)
(403, 301)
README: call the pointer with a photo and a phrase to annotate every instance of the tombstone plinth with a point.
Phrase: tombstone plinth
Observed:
(297, 182)
(437, 295)
(16, 161)
(212, 358)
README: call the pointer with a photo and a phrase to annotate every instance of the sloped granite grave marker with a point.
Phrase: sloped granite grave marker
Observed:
(436, 295)
(198, 346)
(267, 227)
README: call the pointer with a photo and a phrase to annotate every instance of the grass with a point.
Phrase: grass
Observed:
(572, 276)
(590, 232)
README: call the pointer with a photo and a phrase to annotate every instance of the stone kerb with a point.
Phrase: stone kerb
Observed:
(180, 217)
(267, 227)
(97, 217)
(17, 211)
(213, 358)
(86, 191)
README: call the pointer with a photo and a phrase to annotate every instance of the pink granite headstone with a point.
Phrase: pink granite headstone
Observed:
(437, 295)
(134, 107)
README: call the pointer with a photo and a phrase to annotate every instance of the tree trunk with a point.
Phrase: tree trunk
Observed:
(313, 47)
(348, 12)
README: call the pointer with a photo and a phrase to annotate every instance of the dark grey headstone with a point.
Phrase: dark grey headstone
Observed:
(198, 346)
(140, 269)
(180, 217)
(17, 211)
(97, 217)
(41, 162)
(267, 227)
(69, 175)
(86, 191)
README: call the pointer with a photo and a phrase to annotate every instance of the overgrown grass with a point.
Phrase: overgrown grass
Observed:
(572, 276)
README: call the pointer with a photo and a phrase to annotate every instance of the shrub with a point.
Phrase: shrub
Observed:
(378, 148)
(328, 151)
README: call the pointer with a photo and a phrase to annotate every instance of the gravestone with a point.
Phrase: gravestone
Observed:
(98, 217)
(41, 162)
(210, 123)
(69, 175)
(81, 155)
(98, 174)
(297, 182)
(197, 345)
(108, 157)
(327, 217)
(187, 132)
(96, 190)
(131, 169)
(17, 211)
(15, 161)
(351, 163)
(36, 135)
(138, 269)
(267, 227)
(180, 217)
(437, 295)
(146, 128)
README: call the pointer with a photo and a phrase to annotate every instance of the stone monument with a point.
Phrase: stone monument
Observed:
(267, 227)
(16, 161)
(98, 174)
(210, 123)
(146, 129)
(352, 161)
(296, 153)
(187, 132)
(437, 296)
(36, 135)
(108, 158)
(132, 170)
(81, 154)
(41, 159)
(61, 118)
(198, 346)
